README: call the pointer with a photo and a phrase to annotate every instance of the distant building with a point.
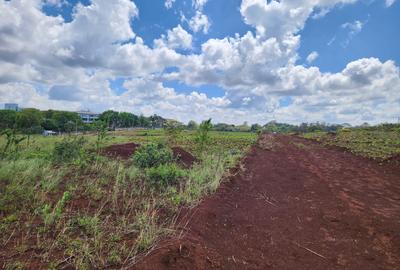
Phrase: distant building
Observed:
(11, 106)
(49, 133)
(88, 116)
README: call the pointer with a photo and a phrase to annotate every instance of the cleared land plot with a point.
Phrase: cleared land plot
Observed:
(293, 204)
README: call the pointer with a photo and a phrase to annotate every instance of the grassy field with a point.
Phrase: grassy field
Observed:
(376, 144)
(95, 212)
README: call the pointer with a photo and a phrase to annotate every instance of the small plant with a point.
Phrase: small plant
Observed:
(101, 130)
(89, 225)
(172, 130)
(152, 155)
(203, 137)
(165, 174)
(15, 266)
(52, 216)
(68, 149)
(13, 142)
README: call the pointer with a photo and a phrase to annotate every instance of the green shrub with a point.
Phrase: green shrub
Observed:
(89, 225)
(203, 137)
(68, 149)
(165, 174)
(152, 155)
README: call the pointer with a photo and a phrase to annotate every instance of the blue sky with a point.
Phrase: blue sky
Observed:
(234, 61)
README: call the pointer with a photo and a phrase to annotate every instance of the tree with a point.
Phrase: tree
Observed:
(173, 129)
(64, 119)
(255, 127)
(49, 124)
(7, 119)
(29, 120)
(192, 125)
(126, 119)
(111, 118)
(244, 127)
(143, 121)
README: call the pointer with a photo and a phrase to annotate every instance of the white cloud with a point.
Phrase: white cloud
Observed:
(199, 22)
(354, 28)
(199, 4)
(389, 3)
(281, 18)
(168, 3)
(176, 38)
(312, 57)
(48, 63)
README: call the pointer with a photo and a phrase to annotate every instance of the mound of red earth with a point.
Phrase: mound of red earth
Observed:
(183, 157)
(122, 151)
(125, 151)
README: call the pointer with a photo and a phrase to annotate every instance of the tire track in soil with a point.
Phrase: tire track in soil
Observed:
(296, 205)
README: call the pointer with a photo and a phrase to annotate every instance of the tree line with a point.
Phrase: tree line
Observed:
(34, 121)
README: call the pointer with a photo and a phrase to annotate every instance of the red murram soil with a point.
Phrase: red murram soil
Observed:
(125, 151)
(299, 205)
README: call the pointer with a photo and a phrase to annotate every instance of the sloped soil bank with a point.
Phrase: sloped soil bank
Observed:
(125, 151)
(122, 151)
(295, 205)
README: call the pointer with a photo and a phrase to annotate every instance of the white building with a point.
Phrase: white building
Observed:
(88, 116)
(11, 106)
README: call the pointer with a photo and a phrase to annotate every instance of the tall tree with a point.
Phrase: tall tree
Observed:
(7, 119)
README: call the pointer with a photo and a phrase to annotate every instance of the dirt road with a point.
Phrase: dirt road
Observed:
(295, 205)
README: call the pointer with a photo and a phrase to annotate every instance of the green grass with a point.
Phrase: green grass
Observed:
(94, 212)
(376, 144)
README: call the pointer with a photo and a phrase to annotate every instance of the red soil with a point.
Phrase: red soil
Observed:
(122, 151)
(298, 205)
(184, 158)
(125, 151)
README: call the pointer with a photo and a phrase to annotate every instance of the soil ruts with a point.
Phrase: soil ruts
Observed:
(295, 204)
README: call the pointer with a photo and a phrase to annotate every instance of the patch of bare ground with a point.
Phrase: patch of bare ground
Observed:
(300, 206)
(125, 151)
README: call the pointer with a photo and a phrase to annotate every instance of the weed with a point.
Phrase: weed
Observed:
(172, 130)
(13, 142)
(152, 155)
(15, 266)
(89, 225)
(300, 145)
(165, 174)
(68, 149)
(148, 228)
(51, 216)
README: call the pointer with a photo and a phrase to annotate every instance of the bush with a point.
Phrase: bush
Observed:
(165, 174)
(152, 155)
(68, 149)
(203, 136)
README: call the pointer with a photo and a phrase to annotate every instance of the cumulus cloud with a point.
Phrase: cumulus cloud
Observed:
(281, 18)
(176, 38)
(312, 57)
(48, 63)
(199, 4)
(199, 22)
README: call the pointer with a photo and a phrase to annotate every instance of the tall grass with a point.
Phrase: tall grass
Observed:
(94, 212)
